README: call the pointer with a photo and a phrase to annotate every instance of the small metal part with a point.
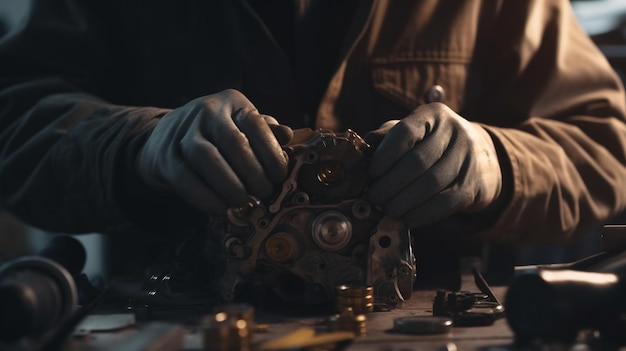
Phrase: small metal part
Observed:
(391, 238)
(348, 321)
(230, 328)
(331, 230)
(311, 156)
(453, 303)
(234, 247)
(282, 247)
(330, 172)
(404, 270)
(361, 209)
(468, 309)
(240, 216)
(301, 198)
(37, 295)
(263, 222)
(436, 94)
(356, 140)
(490, 300)
(474, 319)
(359, 299)
(422, 325)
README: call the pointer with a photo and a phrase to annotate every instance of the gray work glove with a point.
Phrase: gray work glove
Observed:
(431, 165)
(215, 151)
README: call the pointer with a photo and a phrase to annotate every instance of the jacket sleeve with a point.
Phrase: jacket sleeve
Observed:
(66, 156)
(568, 160)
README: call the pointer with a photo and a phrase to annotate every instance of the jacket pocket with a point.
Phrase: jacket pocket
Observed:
(413, 79)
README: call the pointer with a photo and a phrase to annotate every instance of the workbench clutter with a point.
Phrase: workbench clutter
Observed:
(564, 302)
(232, 326)
(48, 304)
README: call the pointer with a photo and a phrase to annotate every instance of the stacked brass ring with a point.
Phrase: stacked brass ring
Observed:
(348, 321)
(359, 298)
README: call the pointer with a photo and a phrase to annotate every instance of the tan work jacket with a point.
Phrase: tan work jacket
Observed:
(83, 83)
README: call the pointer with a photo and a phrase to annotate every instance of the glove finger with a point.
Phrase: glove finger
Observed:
(264, 145)
(437, 208)
(205, 159)
(281, 132)
(186, 183)
(216, 123)
(409, 168)
(234, 146)
(442, 175)
(375, 137)
(425, 187)
(400, 139)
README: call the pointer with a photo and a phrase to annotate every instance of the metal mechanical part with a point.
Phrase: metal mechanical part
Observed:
(317, 232)
(332, 231)
(36, 295)
(469, 307)
(348, 321)
(422, 325)
(356, 298)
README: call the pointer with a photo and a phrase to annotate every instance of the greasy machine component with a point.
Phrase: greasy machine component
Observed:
(359, 299)
(469, 307)
(36, 295)
(317, 232)
(349, 321)
(39, 294)
(554, 303)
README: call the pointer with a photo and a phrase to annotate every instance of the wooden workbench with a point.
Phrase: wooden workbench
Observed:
(379, 335)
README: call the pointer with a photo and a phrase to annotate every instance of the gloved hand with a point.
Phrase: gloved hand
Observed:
(432, 164)
(214, 152)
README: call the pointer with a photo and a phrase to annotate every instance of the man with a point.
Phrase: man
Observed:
(127, 112)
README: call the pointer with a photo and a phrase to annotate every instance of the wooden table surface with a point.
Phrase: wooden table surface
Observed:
(379, 336)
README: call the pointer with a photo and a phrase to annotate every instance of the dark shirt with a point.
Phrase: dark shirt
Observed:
(311, 34)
